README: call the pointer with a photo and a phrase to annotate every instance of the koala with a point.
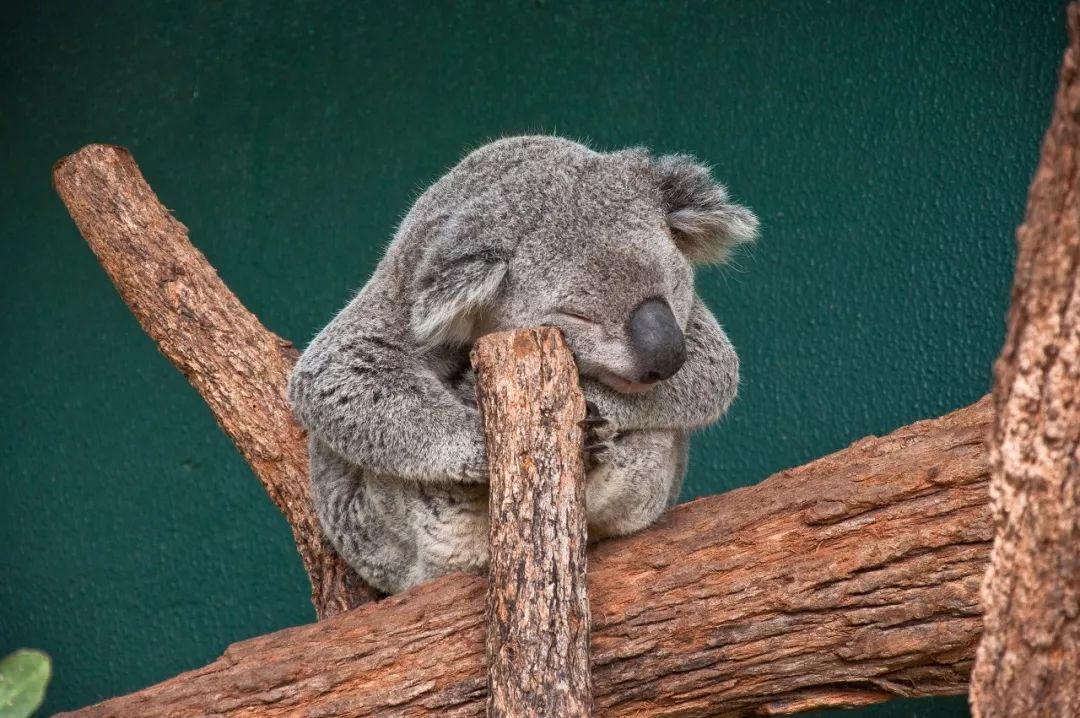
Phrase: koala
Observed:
(524, 231)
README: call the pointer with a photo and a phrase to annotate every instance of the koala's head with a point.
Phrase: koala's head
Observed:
(531, 231)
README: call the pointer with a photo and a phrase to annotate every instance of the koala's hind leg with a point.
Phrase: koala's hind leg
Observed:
(366, 523)
(450, 525)
(639, 476)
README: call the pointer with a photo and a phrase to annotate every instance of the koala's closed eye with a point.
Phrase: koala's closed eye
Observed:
(576, 316)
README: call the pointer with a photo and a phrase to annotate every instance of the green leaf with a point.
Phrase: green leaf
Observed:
(23, 676)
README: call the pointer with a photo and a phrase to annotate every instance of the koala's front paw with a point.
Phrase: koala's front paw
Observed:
(599, 435)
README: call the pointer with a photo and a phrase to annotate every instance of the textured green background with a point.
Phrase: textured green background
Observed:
(886, 146)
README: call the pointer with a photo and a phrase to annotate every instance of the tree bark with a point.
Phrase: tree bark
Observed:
(1029, 659)
(238, 366)
(537, 608)
(844, 582)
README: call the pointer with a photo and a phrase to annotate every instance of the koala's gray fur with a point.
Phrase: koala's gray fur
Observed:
(523, 232)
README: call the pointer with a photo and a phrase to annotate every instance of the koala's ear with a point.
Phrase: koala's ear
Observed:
(453, 287)
(706, 225)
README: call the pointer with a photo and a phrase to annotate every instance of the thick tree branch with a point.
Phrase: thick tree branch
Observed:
(843, 582)
(1029, 659)
(537, 608)
(236, 364)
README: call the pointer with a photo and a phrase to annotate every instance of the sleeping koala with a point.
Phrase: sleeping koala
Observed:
(525, 231)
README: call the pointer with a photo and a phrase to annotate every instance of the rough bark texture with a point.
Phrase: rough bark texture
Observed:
(1029, 659)
(236, 364)
(537, 607)
(844, 582)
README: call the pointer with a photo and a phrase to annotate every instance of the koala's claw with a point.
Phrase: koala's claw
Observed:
(476, 474)
(597, 442)
(593, 419)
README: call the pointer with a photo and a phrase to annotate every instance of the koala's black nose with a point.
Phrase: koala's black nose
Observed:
(657, 340)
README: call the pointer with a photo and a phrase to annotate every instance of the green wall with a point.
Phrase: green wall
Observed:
(886, 146)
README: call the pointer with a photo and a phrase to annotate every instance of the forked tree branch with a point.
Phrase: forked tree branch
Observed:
(841, 583)
(1029, 659)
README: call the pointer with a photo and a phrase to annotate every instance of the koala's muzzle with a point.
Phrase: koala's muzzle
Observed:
(657, 341)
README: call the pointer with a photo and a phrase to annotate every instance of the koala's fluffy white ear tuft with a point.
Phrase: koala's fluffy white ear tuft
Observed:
(452, 290)
(706, 225)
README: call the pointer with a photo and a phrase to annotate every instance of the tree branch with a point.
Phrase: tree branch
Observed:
(1029, 659)
(840, 583)
(238, 366)
(537, 608)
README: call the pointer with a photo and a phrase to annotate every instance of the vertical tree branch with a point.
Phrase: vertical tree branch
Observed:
(537, 609)
(1028, 663)
(238, 366)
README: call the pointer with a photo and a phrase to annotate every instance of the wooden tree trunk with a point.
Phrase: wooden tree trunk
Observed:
(844, 582)
(1029, 659)
(537, 608)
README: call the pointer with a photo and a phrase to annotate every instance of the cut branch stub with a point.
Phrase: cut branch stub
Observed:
(1029, 659)
(537, 608)
(237, 365)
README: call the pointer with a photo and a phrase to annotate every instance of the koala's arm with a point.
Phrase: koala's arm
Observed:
(695, 397)
(640, 477)
(364, 392)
